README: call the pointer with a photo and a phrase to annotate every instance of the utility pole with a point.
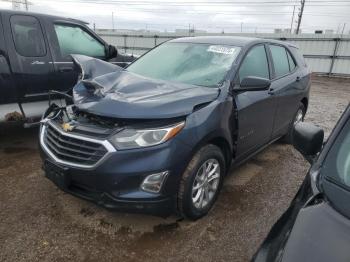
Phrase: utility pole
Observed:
(241, 27)
(300, 15)
(26, 4)
(291, 24)
(113, 21)
(342, 32)
(15, 5)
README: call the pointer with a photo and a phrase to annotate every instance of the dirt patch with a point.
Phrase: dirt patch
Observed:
(39, 222)
(14, 116)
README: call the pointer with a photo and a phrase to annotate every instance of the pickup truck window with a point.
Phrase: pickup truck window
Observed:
(27, 36)
(280, 60)
(74, 40)
(255, 63)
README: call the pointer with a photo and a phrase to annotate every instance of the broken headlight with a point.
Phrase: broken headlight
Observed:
(136, 138)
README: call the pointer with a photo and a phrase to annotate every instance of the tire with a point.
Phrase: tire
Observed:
(194, 176)
(288, 138)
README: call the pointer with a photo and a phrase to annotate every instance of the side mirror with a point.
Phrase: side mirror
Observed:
(308, 140)
(253, 83)
(111, 51)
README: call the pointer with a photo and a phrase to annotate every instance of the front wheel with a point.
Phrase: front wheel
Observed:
(201, 182)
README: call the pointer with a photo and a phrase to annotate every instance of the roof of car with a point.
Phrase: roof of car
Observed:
(226, 40)
(13, 12)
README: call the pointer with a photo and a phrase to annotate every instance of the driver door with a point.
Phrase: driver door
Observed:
(256, 109)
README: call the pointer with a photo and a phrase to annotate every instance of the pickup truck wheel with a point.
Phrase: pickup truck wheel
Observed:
(298, 117)
(201, 182)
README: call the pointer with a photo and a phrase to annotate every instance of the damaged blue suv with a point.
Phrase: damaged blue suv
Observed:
(159, 136)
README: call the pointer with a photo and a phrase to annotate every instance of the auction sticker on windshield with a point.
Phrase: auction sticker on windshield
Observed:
(222, 49)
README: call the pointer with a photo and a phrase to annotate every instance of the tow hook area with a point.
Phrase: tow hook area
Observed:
(31, 124)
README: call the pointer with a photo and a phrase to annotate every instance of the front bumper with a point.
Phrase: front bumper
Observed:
(114, 182)
(146, 203)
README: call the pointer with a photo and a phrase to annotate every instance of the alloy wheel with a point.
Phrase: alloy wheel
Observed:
(206, 183)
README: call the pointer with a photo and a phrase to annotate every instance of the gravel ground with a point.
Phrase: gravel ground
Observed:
(38, 222)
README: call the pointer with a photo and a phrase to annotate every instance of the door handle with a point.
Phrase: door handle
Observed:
(271, 91)
(298, 78)
(65, 69)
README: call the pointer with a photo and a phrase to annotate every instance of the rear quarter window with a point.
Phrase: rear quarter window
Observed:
(291, 61)
(299, 56)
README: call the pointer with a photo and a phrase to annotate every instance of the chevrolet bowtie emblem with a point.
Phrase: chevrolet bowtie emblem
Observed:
(67, 127)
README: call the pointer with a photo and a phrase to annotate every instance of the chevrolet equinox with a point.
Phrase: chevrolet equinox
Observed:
(159, 136)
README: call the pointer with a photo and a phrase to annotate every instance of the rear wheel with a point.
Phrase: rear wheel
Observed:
(298, 117)
(201, 182)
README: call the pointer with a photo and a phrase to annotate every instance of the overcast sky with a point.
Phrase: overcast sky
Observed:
(213, 16)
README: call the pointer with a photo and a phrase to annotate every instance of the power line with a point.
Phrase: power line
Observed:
(206, 3)
(166, 6)
(239, 13)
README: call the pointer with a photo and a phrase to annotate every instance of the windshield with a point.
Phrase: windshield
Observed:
(197, 64)
(336, 171)
(337, 162)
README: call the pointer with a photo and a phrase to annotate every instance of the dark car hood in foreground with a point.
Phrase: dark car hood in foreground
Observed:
(319, 234)
(310, 230)
(108, 90)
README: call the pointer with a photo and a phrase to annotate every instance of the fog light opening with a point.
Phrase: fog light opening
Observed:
(153, 183)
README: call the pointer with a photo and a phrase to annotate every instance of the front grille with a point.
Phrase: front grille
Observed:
(73, 150)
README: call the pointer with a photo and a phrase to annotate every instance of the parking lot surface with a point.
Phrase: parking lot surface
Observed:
(38, 222)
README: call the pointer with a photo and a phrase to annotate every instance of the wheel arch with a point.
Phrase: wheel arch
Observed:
(224, 145)
(305, 102)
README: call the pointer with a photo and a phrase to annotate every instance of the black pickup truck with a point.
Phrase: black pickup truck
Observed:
(35, 58)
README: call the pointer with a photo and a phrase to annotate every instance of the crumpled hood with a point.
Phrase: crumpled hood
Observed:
(108, 90)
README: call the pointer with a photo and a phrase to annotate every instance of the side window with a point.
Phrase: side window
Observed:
(27, 36)
(299, 57)
(255, 63)
(292, 64)
(74, 40)
(280, 60)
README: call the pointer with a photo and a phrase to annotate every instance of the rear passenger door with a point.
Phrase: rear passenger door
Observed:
(256, 109)
(29, 56)
(285, 87)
